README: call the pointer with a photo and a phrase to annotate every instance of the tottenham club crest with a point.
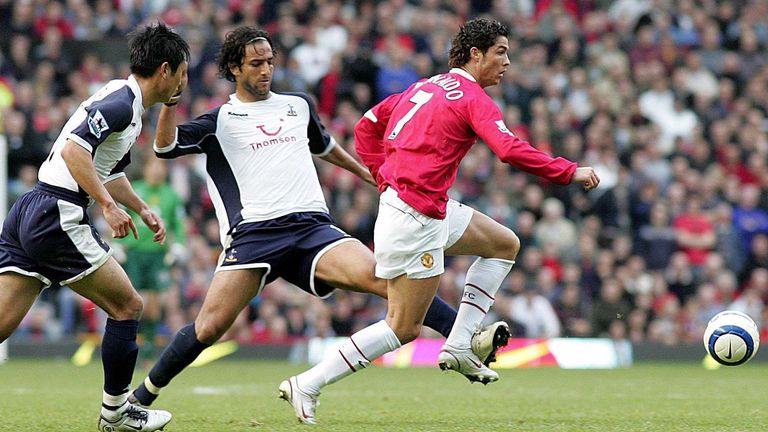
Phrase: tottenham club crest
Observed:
(97, 124)
(232, 257)
(291, 112)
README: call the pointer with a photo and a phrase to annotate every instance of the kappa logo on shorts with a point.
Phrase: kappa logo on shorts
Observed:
(427, 260)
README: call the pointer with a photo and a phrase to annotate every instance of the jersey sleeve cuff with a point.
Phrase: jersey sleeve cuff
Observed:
(167, 148)
(81, 142)
(328, 149)
(114, 176)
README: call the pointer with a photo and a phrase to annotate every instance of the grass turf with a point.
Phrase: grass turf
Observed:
(234, 395)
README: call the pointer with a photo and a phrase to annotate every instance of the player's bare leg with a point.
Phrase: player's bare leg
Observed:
(17, 294)
(497, 246)
(408, 302)
(110, 289)
(229, 293)
(486, 238)
(350, 265)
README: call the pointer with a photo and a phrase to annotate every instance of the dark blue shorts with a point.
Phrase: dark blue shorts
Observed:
(289, 247)
(47, 235)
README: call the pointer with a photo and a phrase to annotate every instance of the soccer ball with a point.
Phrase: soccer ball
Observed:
(731, 338)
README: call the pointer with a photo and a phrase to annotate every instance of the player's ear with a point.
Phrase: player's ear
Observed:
(474, 54)
(165, 70)
(234, 69)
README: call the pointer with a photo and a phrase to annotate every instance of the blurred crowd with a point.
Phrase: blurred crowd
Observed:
(668, 100)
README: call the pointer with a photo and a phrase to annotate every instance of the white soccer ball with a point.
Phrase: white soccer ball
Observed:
(731, 338)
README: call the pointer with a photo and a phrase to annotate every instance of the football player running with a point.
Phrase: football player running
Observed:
(47, 237)
(413, 143)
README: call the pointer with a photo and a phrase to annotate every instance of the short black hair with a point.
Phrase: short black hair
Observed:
(480, 33)
(152, 45)
(232, 51)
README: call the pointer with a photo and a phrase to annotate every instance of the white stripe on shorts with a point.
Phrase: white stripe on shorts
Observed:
(70, 216)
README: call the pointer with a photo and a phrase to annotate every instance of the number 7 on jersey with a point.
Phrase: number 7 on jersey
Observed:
(419, 99)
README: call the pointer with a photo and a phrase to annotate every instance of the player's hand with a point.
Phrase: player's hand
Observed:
(179, 91)
(120, 222)
(586, 176)
(174, 99)
(368, 178)
(154, 223)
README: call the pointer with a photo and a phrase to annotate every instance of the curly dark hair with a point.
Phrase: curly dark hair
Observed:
(232, 51)
(480, 33)
(151, 46)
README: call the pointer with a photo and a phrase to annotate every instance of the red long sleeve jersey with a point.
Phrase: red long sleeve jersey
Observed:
(414, 141)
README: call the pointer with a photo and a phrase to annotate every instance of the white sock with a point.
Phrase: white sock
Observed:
(155, 390)
(116, 402)
(484, 278)
(356, 353)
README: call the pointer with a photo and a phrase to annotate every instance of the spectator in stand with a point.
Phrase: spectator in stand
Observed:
(750, 219)
(656, 241)
(694, 233)
(757, 259)
(573, 312)
(535, 313)
(609, 307)
(554, 227)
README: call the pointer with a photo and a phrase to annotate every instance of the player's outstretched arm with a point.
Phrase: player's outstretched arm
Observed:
(80, 164)
(122, 191)
(587, 177)
(339, 157)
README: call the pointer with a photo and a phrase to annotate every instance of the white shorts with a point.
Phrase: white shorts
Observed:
(408, 242)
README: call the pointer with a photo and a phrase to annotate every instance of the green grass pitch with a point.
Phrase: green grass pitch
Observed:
(238, 395)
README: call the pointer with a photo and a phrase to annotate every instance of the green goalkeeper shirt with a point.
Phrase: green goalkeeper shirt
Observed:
(167, 204)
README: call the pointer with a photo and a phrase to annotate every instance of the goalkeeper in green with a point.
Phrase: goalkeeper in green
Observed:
(148, 262)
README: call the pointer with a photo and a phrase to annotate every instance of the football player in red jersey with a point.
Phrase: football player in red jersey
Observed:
(413, 143)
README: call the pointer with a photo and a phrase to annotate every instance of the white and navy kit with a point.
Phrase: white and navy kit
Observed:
(262, 180)
(47, 234)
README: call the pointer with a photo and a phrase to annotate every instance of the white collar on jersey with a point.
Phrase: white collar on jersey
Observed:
(234, 100)
(134, 85)
(463, 73)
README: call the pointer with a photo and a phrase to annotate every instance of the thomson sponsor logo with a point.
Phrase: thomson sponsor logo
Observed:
(270, 142)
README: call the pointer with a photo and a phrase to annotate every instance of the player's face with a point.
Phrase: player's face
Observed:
(254, 77)
(493, 63)
(175, 81)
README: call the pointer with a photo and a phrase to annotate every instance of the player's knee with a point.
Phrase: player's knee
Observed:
(407, 333)
(209, 330)
(507, 246)
(131, 309)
